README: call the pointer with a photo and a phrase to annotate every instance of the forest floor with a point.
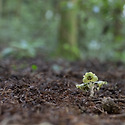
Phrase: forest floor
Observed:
(48, 96)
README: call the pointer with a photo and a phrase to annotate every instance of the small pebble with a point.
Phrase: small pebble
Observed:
(45, 123)
(110, 106)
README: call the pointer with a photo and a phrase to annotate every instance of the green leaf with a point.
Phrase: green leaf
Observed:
(83, 86)
(34, 67)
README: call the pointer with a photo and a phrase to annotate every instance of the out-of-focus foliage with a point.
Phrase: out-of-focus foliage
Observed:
(30, 25)
(102, 28)
(21, 49)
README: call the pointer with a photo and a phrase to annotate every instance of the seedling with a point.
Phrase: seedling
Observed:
(90, 83)
(34, 67)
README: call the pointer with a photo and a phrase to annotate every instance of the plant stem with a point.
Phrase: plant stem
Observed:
(91, 89)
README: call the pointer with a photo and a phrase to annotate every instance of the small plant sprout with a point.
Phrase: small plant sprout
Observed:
(90, 83)
(34, 67)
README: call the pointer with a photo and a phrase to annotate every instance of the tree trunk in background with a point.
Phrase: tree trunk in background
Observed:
(1, 7)
(117, 28)
(18, 8)
(117, 31)
(68, 47)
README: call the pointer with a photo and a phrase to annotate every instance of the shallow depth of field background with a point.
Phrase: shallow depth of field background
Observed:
(39, 27)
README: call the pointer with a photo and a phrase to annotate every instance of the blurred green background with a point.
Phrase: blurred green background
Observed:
(70, 29)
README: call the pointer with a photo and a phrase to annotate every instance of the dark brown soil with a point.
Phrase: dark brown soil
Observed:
(49, 93)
